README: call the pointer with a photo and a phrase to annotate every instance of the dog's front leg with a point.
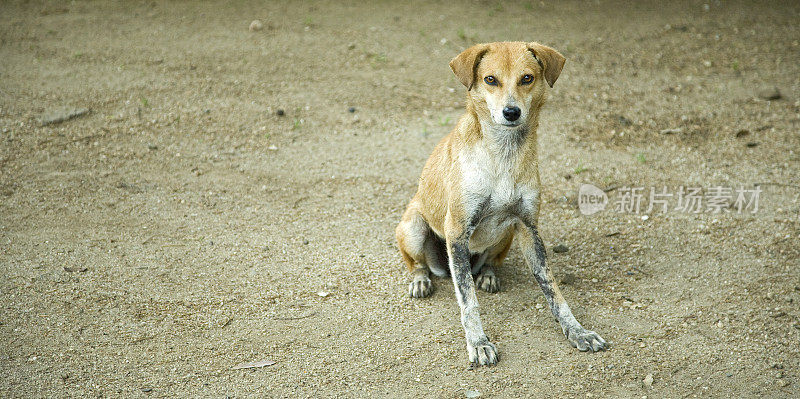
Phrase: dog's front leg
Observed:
(480, 350)
(534, 252)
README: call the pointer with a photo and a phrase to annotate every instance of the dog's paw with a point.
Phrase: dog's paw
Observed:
(482, 353)
(488, 282)
(585, 340)
(420, 287)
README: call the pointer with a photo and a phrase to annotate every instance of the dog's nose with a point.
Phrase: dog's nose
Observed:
(511, 113)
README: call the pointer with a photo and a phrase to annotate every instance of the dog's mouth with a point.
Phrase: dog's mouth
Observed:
(511, 124)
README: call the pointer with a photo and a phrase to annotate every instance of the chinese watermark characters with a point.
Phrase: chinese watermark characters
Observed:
(686, 199)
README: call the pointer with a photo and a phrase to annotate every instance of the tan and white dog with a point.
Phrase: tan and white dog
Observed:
(480, 189)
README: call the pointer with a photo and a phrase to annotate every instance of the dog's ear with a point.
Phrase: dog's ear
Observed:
(465, 65)
(552, 59)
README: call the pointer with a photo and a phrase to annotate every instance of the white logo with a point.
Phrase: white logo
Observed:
(591, 199)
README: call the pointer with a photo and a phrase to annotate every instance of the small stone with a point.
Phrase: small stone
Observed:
(539, 306)
(770, 94)
(280, 112)
(675, 130)
(742, 133)
(752, 144)
(707, 63)
(256, 26)
(351, 109)
(623, 121)
(53, 117)
(568, 279)
(783, 383)
(323, 293)
(147, 389)
(152, 147)
(273, 147)
(560, 248)
(648, 381)
(472, 394)
(305, 242)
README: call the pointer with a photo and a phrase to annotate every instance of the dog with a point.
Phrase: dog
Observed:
(480, 189)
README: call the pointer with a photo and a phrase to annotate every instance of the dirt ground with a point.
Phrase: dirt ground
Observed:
(182, 226)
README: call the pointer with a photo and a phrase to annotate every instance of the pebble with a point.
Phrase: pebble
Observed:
(672, 131)
(568, 279)
(351, 109)
(472, 394)
(742, 133)
(648, 381)
(280, 112)
(770, 94)
(256, 26)
(752, 144)
(622, 120)
(560, 248)
(53, 117)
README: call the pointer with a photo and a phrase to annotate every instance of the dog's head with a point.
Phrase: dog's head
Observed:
(505, 80)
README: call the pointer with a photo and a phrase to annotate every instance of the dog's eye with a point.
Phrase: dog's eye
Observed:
(526, 79)
(490, 80)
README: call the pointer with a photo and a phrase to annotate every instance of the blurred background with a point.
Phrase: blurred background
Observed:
(186, 186)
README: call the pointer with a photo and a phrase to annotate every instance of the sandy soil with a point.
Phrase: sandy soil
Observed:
(182, 227)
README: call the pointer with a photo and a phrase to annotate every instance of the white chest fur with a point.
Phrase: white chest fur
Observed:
(491, 193)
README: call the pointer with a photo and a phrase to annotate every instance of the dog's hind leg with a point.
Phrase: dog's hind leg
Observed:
(413, 239)
(487, 280)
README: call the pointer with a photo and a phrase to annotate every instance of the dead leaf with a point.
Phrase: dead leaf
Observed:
(254, 365)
